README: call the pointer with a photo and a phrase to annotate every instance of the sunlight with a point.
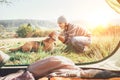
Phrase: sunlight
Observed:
(97, 19)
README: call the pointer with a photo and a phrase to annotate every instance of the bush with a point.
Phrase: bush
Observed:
(29, 31)
(25, 31)
(41, 33)
(37, 32)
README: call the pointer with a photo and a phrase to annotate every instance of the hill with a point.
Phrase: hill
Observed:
(18, 22)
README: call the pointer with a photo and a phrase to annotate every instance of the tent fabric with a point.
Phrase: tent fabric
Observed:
(111, 63)
(62, 78)
(114, 4)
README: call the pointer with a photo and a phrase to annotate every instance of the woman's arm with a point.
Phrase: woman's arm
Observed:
(62, 38)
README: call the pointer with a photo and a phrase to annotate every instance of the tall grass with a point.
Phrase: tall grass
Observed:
(100, 48)
(104, 41)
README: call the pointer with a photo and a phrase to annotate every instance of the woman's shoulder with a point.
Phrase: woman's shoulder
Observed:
(74, 26)
(71, 26)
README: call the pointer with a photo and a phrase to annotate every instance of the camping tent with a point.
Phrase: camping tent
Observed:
(114, 4)
(111, 62)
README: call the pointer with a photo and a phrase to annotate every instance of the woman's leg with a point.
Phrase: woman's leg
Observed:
(79, 42)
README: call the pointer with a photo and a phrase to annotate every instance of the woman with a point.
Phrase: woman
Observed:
(73, 35)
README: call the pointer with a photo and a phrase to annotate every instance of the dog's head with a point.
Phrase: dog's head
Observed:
(48, 44)
(53, 35)
(50, 41)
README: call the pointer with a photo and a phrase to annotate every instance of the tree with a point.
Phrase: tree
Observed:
(2, 28)
(25, 30)
(5, 1)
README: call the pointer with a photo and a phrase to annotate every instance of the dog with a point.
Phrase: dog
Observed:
(27, 47)
(48, 44)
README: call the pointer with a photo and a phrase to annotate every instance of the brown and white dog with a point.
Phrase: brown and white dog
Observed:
(48, 44)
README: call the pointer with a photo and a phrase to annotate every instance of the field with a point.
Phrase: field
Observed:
(101, 47)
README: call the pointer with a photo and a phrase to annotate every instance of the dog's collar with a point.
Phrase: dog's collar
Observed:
(53, 38)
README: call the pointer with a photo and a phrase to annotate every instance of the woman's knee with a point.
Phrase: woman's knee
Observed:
(73, 40)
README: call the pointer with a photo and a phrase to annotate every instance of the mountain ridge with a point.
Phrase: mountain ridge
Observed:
(19, 22)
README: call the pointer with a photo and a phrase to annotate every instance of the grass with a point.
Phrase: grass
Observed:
(100, 48)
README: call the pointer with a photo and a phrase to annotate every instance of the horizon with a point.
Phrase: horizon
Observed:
(77, 22)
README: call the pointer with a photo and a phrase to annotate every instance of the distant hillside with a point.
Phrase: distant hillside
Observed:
(37, 23)
(44, 23)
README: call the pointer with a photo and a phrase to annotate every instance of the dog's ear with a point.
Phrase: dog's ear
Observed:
(51, 34)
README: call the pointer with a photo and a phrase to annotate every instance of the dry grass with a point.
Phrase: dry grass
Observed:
(99, 49)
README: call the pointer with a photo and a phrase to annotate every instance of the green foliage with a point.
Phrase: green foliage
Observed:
(102, 45)
(24, 30)
(29, 31)
(41, 33)
(37, 32)
(2, 28)
(100, 48)
(45, 33)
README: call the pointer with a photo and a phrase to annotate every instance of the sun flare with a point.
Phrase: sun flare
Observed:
(97, 19)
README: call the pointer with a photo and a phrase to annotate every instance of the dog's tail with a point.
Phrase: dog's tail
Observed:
(15, 49)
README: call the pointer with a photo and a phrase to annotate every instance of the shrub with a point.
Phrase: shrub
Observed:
(25, 31)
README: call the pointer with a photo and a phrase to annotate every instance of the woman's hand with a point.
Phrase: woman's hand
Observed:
(61, 38)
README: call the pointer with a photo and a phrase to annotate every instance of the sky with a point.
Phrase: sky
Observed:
(92, 10)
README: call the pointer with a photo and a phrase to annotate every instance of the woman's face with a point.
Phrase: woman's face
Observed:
(62, 25)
